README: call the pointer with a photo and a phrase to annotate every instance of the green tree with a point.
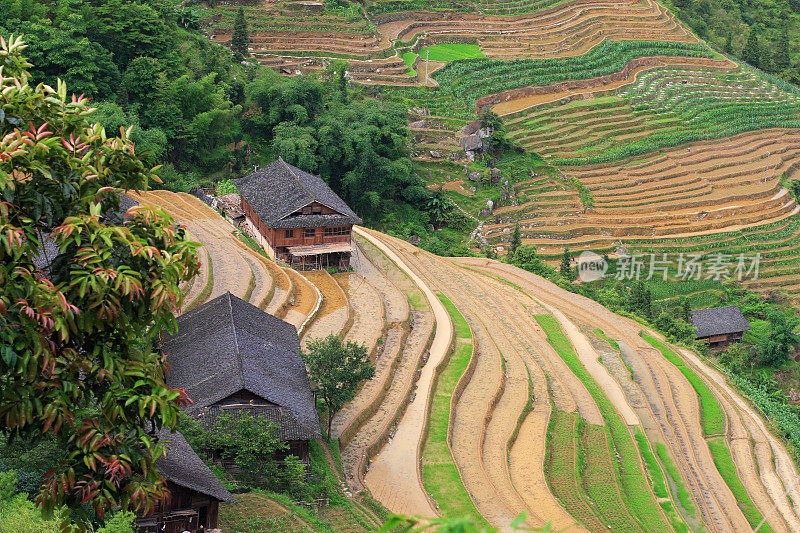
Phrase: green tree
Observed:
(341, 79)
(686, 309)
(776, 347)
(565, 268)
(336, 370)
(527, 258)
(782, 57)
(76, 357)
(752, 52)
(738, 358)
(240, 40)
(251, 443)
(516, 238)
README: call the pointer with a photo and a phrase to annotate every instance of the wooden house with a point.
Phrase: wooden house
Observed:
(296, 217)
(232, 357)
(720, 326)
(195, 492)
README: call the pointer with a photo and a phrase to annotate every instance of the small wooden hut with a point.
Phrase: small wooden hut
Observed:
(720, 326)
(195, 492)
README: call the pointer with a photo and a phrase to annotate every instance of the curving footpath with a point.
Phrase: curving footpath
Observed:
(399, 461)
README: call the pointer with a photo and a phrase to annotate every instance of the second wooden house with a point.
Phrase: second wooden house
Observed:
(296, 217)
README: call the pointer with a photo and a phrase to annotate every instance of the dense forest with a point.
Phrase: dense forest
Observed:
(764, 33)
(206, 116)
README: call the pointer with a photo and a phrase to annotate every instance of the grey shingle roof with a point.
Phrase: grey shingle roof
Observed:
(290, 428)
(280, 189)
(182, 466)
(227, 345)
(719, 321)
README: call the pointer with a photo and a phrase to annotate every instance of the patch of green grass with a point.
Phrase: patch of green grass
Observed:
(460, 326)
(684, 497)
(439, 472)
(724, 461)
(656, 475)
(451, 52)
(759, 332)
(710, 411)
(409, 58)
(633, 482)
(614, 344)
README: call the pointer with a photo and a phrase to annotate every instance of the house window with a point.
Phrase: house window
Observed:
(289, 233)
(329, 232)
(309, 232)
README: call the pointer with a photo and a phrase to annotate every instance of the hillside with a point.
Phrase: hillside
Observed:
(498, 393)
(621, 131)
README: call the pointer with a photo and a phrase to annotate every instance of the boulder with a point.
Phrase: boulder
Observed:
(418, 124)
(471, 143)
(436, 155)
(475, 176)
(489, 204)
(424, 111)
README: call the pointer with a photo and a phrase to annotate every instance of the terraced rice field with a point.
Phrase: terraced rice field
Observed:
(526, 415)
(534, 427)
(662, 107)
(549, 404)
(663, 203)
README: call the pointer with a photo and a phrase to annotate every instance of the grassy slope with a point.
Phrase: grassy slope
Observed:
(440, 474)
(633, 481)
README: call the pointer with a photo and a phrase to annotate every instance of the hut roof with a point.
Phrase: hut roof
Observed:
(227, 345)
(279, 190)
(719, 321)
(182, 466)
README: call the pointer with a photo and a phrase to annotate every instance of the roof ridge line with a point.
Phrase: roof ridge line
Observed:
(236, 340)
(298, 180)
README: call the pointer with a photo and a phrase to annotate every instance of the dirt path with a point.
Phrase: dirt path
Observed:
(490, 407)
(399, 460)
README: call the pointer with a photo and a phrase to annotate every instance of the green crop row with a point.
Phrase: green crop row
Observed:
(470, 79)
(710, 412)
(440, 474)
(727, 469)
(633, 480)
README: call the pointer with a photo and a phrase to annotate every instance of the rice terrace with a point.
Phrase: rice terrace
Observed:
(426, 183)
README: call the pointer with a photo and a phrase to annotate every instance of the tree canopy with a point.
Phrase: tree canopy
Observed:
(336, 370)
(85, 290)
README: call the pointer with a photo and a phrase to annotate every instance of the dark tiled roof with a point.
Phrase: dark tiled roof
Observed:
(182, 466)
(280, 189)
(227, 345)
(719, 321)
(290, 428)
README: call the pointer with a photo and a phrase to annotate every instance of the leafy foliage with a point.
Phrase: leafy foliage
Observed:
(336, 370)
(240, 38)
(75, 339)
